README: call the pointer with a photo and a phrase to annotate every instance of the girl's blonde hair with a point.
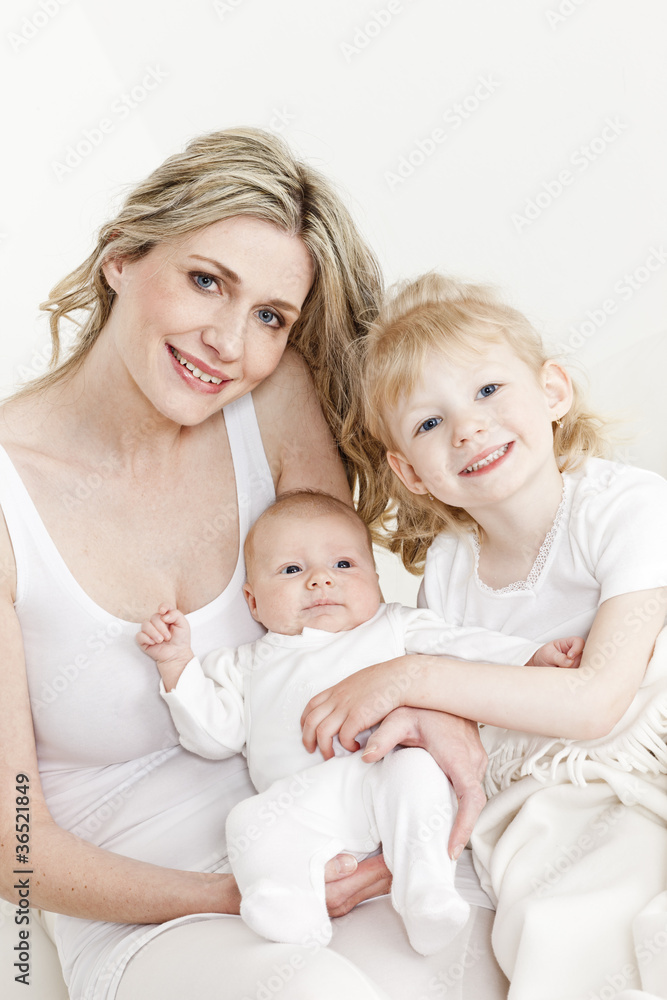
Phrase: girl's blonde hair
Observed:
(241, 171)
(437, 313)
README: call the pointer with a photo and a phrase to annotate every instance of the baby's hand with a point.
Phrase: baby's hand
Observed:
(559, 653)
(165, 637)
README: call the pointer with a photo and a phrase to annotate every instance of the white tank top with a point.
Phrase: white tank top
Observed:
(112, 768)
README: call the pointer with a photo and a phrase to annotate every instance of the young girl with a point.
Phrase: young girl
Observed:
(494, 467)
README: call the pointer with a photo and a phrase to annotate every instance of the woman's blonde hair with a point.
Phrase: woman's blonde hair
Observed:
(437, 313)
(241, 171)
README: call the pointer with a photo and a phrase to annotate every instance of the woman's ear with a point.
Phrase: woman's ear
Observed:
(405, 472)
(250, 598)
(558, 390)
(112, 269)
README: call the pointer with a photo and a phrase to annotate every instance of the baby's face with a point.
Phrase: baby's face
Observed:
(314, 571)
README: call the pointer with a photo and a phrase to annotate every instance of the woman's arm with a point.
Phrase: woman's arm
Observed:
(67, 874)
(581, 704)
(298, 444)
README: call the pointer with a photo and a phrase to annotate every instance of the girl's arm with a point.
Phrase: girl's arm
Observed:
(574, 704)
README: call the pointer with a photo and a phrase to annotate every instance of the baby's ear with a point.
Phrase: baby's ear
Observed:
(405, 472)
(250, 598)
(557, 386)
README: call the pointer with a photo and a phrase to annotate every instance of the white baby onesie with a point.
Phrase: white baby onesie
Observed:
(251, 699)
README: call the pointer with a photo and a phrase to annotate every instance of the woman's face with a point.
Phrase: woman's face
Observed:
(199, 322)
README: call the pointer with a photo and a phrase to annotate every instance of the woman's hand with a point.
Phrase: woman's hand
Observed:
(455, 746)
(357, 703)
(349, 882)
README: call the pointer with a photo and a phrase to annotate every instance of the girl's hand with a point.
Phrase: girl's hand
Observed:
(349, 882)
(559, 653)
(356, 703)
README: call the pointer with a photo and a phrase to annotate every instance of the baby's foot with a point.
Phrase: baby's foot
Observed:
(433, 917)
(285, 913)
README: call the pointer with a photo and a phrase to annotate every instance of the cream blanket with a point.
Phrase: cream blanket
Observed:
(572, 847)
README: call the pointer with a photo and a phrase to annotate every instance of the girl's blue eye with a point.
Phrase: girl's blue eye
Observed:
(269, 318)
(343, 564)
(291, 569)
(429, 424)
(487, 390)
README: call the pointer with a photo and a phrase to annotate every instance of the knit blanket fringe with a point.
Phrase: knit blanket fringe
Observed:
(638, 742)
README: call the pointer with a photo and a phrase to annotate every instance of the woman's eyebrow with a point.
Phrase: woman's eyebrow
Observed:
(228, 273)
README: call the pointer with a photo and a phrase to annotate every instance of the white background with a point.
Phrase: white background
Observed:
(520, 91)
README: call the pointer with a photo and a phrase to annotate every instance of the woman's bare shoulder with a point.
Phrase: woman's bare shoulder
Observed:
(296, 437)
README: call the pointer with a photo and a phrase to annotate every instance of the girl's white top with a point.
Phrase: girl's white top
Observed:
(609, 538)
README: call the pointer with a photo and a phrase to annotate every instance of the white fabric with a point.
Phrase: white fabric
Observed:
(115, 773)
(572, 845)
(111, 765)
(279, 841)
(612, 539)
(370, 937)
(253, 696)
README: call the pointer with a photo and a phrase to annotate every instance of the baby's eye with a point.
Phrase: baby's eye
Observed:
(291, 569)
(429, 424)
(487, 390)
(343, 564)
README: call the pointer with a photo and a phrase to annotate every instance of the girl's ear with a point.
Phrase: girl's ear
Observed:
(557, 386)
(250, 598)
(405, 472)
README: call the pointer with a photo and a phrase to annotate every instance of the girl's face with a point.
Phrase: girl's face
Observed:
(475, 430)
(200, 322)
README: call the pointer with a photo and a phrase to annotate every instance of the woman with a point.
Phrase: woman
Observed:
(225, 255)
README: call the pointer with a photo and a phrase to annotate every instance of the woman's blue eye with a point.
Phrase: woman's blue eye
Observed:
(204, 281)
(291, 569)
(269, 318)
(487, 390)
(343, 564)
(429, 424)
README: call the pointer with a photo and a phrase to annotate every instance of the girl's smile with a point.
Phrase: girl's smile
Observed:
(477, 429)
(486, 460)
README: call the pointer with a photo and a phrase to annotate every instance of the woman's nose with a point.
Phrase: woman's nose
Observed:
(226, 337)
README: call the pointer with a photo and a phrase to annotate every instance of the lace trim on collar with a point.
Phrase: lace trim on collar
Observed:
(540, 559)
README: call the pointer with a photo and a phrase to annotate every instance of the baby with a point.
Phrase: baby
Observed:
(311, 581)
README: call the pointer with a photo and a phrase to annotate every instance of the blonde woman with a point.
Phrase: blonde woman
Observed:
(232, 278)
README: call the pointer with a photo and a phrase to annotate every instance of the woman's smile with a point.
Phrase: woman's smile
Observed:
(191, 369)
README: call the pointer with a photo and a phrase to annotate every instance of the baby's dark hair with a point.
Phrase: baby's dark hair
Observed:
(307, 503)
